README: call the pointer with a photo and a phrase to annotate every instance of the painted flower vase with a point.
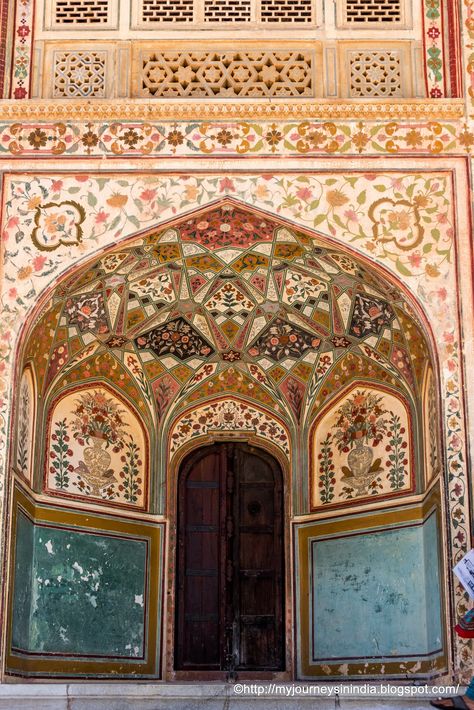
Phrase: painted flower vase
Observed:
(98, 462)
(359, 460)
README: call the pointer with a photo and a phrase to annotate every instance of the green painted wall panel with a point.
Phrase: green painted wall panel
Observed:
(22, 595)
(87, 592)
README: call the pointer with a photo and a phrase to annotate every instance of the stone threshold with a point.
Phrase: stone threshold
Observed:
(207, 696)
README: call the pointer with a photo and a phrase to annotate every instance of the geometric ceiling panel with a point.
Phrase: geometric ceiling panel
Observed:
(177, 338)
(282, 339)
(219, 284)
(369, 316)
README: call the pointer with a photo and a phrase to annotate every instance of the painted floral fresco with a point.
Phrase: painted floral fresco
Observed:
(26, 424)
(170, 322)
(384, 215)
(431, 422)
(336, 204)
(362, 446)
(283, 334)
(97, 449)
(228, 415)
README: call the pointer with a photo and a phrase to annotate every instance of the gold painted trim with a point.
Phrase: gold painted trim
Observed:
(365, 522)
(273, 109)
(32, 665)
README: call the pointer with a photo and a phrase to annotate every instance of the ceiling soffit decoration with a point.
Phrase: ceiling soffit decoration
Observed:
(227, 300)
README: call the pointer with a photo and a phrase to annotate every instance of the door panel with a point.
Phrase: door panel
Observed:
(230, 564)
(199, 565)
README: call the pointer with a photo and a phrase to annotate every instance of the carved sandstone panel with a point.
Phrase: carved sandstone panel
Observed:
(223, 72)
(71, 70)
(375, 69)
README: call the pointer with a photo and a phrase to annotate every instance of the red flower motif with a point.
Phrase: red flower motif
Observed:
(101, 217)
(148, 195)
(226, 184)
(23, 31)
(20, 92)
(39, 262)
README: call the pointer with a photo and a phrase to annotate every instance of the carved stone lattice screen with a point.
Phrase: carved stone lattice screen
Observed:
(375, 74)
(80, 14)
(151, 14)
(373, 11)
(87, 12)
(79, 74)
(157, 11)
(227, 49)
(226, 73)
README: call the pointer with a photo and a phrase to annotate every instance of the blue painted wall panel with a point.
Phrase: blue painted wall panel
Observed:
(373, 594)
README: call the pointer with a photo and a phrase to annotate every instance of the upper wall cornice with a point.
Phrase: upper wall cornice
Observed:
(144, 109)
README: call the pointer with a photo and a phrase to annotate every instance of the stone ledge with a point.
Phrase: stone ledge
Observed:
(194, 109)
(183, 696)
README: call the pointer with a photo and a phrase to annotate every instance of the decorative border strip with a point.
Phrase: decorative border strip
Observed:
(433, 49)
(22, 49)
(469, 46)
(4, 7)
(146, 109)
(231, 139)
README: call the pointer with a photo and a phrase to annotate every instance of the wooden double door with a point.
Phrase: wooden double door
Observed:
(229, 602)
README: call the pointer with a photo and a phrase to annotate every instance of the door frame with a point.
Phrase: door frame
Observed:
(169, 635)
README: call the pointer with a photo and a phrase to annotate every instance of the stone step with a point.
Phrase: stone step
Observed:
(213, 696)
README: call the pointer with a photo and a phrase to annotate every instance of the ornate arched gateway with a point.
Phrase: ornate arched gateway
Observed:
(228, 329)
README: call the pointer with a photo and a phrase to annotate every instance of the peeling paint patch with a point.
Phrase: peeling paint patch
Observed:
(92, 599)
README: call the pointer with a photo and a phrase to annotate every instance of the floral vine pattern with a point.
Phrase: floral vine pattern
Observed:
(326, 470)
(130, 473)
(396, 449)
(97, 449)
(351, 442)
(312, 137)
(228, 415)
(434, 49)
(59, 455)
(25, 427)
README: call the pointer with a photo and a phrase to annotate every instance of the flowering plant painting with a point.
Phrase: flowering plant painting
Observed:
(360, 420)
(99, 416)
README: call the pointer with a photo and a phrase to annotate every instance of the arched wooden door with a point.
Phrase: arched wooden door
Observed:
(229, 603)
